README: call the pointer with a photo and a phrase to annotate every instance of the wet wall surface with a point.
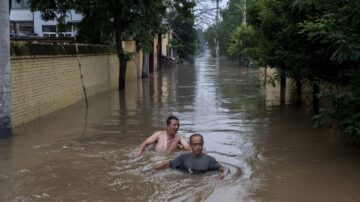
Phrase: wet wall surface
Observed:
(89, 154)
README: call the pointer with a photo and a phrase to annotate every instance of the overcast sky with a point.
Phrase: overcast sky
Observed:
(205, 11)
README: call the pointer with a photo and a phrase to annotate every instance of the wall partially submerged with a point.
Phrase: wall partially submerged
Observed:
(47, 77)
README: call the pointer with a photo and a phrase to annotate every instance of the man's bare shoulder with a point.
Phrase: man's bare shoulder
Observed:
(157, 133)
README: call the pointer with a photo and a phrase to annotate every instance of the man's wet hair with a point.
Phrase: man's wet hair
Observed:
(196, 135)
(170, 118)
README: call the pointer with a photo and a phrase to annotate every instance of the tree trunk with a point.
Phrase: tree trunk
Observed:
(282, 87)
(298, 87)
(122, 72)
(241, 61)
(315, 96)
(159, 51)
(5, 72)
(117, 8)
(298, 91)
(121, 55)
(145, 70)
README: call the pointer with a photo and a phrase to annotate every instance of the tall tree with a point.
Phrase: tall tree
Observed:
(316, 40)
(5, 71)
(232, 16)
(332, 35)
(181, 20)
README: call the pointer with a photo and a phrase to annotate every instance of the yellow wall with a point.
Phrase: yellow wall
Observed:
(164, 44)
(134, 66)
(41, 85)
(131, 70)
(139, 62)
(44, 84)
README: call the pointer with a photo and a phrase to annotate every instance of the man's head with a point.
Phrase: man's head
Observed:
(172, 125)
(196, 143)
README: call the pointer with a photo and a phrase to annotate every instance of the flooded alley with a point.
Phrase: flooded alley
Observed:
(89, 154)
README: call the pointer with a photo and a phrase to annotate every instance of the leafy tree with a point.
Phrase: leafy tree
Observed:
(342, 109)
(316, 40)
(334, 34)
(313, 40)
(245, 41)
(232, 16)
(182, 20)
(210, 36)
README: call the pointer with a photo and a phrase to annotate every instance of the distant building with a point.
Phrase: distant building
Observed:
(23, 22)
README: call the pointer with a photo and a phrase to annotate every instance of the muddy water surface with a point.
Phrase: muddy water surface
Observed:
(273, 153)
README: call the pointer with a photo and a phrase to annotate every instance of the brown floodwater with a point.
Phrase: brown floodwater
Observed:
(272, 151)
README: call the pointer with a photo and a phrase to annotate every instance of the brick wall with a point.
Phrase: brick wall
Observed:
(43, 84)
(46, 76)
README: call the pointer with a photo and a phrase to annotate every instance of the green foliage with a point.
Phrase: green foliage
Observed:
(149, 21)
(110, 20)
(232, 17)
(96, 26)
(315, 40)
(134, 19)
(210, 36)
(185, 38)
(318, 40)
(342, 109)
(128, 55)
(244, 41)
(334, 35)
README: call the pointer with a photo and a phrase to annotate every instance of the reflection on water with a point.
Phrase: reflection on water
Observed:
(272, 152)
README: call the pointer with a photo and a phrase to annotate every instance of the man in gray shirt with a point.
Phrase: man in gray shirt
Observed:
(195, 162)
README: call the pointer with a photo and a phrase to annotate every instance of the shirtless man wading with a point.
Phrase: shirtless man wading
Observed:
(166, 141)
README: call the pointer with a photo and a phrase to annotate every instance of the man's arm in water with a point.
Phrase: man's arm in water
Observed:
(223, 172)
(163, 165)
(150, 140)
(185, 144)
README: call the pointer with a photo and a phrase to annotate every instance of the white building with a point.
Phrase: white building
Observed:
(23, 22)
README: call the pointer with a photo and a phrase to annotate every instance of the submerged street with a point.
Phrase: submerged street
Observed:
(273, 152)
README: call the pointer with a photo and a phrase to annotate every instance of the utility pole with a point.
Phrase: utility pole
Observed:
(242, 61)
(216, 29)
(5, 71)
(244, 12)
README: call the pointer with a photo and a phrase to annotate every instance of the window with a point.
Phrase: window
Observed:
(12, 27)
(22, 27)
(26, 27)
(49, 35)
(49, 28)
(64, 29)
(56, 31)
